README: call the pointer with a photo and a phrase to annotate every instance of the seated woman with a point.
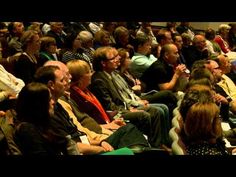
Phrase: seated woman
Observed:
(33, 133)
(73, 49)
(203, 130)
(86, 101)
(48, 50)
(27, 63)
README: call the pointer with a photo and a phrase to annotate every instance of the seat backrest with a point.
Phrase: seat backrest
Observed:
(173, 133)
(175, 122)
(7, 129)
(176, 111)
(178, 147)
(8, 63)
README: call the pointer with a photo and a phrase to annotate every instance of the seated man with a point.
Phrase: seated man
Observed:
(166, 73)
(104, 87)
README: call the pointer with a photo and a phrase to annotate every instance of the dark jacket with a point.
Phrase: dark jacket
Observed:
(105, 91)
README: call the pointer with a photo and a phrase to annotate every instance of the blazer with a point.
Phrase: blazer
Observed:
(105, 91)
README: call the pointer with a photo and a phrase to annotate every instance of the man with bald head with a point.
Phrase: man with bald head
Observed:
(197, 51)
(164, 73)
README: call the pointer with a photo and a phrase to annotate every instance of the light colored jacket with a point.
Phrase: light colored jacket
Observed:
(9, 84)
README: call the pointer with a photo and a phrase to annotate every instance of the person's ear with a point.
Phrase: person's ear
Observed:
(103, 63)
(50, 85)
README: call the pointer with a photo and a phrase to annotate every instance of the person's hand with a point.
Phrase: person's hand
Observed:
(132, 109)
(2, 113)
(180, 69)
(106, 146)
(233, 152)
(12, 97)
(233, 106)
(119, 121)
(138, 82)
(143, 102)
(220, 99)
(113, 126)
(136, 87)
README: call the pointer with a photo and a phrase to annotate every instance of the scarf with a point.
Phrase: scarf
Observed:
(87, 95)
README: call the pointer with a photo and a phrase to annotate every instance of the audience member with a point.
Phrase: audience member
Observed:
(34, 135)
(16, 30)
(142, 58)
(196, 51)
(203, 130)
(169, 75)
(222, 38)
(27, 63)
(146, 29)
(48, 50)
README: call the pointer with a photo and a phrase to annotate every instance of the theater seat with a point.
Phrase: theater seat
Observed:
(178, 147)
(173, 134)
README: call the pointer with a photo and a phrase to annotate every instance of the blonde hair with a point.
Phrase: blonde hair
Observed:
(77, 69)
(99, 36)
(224, 26)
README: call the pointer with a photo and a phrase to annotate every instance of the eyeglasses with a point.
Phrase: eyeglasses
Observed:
(113, 58)
(217, 67)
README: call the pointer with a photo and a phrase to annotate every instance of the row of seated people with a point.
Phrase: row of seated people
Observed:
(57, 82)
(141, 48)
(59, 42)
(80, 45)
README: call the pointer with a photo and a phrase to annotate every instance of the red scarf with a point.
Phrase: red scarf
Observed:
(86, 94)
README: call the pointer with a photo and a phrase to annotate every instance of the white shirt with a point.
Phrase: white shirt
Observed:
(9, 83)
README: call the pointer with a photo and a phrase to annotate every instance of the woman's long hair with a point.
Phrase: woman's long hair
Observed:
(33, 104)
(33, 107)
(203, 123)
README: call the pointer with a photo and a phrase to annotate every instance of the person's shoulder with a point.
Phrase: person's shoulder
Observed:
(25, 128)
(157, 64)
(138, 58)
(99, 76)
(137, 55)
